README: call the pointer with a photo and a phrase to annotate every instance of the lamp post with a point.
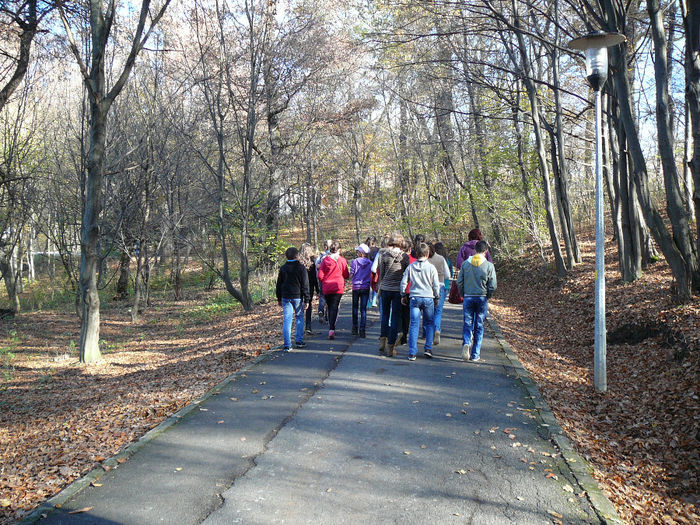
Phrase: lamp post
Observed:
(596, 46)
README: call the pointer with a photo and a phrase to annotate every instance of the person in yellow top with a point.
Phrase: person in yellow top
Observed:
(476, 283)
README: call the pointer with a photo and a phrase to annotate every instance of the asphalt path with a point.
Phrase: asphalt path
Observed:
(336, 434)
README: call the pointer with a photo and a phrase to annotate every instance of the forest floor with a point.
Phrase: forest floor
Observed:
(58, 419)
(643, 435)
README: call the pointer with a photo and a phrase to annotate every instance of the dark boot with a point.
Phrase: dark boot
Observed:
(382, 345)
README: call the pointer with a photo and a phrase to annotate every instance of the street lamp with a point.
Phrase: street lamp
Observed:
(596, 46)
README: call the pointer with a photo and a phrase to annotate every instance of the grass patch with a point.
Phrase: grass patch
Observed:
(221, 304)
(7, 354)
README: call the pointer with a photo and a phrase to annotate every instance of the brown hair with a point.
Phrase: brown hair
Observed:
(422, 250)
(476, 235)
(306, 255)
(396, 240)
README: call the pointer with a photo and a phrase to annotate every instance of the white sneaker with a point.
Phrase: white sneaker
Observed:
(466, 350)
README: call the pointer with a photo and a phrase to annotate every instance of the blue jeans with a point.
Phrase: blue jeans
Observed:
(426, 306)
(438, 309)
(359, 305)
(391, 305)
(292, 309)
(475, 310)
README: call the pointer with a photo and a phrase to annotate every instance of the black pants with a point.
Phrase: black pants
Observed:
(308, 312)
(333, 303)
(359, 305)
(405, 319)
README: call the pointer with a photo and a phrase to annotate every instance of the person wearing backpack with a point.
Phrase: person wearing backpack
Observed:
(332, 274)
(476, 283)
(392, 263)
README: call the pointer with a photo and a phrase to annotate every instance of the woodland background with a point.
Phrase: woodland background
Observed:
(156, 158)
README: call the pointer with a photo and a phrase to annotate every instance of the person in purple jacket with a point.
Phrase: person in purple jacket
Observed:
(360, 273)
(468, 248)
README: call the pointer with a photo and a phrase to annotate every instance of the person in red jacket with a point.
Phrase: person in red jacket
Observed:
(332, 274)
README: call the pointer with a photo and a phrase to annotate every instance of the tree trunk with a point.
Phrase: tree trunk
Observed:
(562, 173)
(123, 282)
(563, 223)
(90, 233)
(674, 200)
(692, 67)
(178, 271)
(539, 141)
(480, 138)
(10, 278)
(529, 204)
(680, 268)
(137, 288)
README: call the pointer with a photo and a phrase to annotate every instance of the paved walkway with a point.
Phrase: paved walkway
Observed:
(336, 434)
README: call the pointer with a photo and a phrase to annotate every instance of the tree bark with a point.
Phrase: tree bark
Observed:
(562, 174)
(100, 103)
(692, 64)
(539, 141)
(676, 210)
(28, 28)
(123, 281)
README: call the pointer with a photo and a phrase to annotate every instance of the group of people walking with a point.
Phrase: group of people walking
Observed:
(407, 280)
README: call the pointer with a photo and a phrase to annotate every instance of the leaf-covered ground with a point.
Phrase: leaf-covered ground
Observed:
(643, 435)
(58, 419)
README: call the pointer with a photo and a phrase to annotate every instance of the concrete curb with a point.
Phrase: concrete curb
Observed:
(71, 490)
(581, 470)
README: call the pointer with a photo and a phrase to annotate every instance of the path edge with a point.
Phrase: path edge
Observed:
(580, 468)
(55, 502)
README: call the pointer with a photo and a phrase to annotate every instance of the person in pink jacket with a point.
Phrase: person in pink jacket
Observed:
(332, 274)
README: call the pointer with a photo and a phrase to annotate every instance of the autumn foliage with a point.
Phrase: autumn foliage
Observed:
(643, 435)
(60, 419)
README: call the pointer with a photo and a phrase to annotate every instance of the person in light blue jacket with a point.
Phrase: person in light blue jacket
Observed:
(476, 283)
(423, 297)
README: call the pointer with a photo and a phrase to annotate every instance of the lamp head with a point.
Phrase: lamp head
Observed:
(596, 46)
(596, 66)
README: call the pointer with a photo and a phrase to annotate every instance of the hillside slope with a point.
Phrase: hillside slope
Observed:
(643, 435)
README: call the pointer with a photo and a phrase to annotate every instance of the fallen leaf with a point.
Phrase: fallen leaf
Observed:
(79, 511)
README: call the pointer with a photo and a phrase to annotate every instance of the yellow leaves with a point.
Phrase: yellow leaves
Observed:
(4, 503)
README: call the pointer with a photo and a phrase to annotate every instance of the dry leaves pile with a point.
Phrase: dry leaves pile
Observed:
(58, 419)
(643, 435)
